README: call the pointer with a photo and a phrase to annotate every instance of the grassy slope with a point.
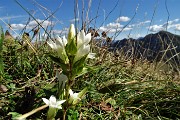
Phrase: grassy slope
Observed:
(119, 88)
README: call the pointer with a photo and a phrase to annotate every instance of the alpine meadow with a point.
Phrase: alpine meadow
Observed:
(89, 60)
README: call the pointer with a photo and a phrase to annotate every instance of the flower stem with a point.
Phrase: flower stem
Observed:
(68, 87)
(64, 114)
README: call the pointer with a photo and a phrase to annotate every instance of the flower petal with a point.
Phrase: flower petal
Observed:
(52, 44)
(46, 101)
(59, 42)
(70, 92)
(64, 41)
(75, 96)
(80, 38)
(52, 100)
(87, 39)
(60, 102)
(59, 107)
(82, 51)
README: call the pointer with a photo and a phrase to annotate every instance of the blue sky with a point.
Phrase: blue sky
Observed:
(111, 16)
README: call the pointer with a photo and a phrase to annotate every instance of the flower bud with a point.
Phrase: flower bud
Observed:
(71, 33)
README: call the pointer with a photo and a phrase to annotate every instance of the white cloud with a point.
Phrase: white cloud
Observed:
(103, 28)
(171, 23)
(176, 20)
(114, 25)
(177, 27)
(122, 19)
(62, 32)
(45, 23)
(32, 24)
(156, 28)
(17, 26)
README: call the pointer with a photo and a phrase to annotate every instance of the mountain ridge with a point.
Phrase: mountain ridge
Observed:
(162, 45)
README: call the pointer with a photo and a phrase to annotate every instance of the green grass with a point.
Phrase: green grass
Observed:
(117, 87)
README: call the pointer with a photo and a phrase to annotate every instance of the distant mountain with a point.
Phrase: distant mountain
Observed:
(162, 45)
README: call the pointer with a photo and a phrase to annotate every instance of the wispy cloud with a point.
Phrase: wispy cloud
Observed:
(140, 24)
(13, 17)
(1, 8)
(74, 20)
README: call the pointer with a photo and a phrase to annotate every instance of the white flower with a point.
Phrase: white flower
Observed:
(82, 51)
(52, 102)
(83, 39)
(83, 46)
(59, 46)
(73, 95)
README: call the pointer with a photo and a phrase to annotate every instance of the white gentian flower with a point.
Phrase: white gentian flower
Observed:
(83, 46)
(82, 51)
(59, 46)
(83, 39)
(52, 102)
(73, 95)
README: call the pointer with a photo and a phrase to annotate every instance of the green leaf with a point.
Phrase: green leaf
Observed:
(78, 66)
(14, 115)
(80, 62)
(60, 62)
(111, 101)
(80, 95)
(71, 48)
(86, 70)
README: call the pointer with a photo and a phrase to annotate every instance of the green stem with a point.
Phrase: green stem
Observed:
(67, 88)
(64, 114)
